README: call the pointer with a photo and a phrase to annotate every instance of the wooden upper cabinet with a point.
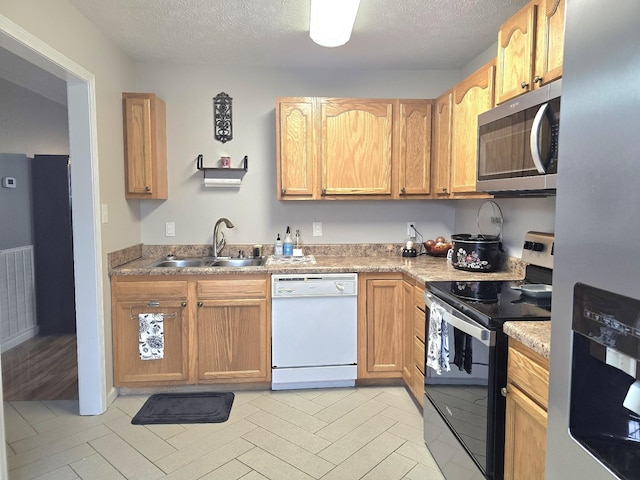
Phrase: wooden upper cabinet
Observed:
(145, 146)
(549, 41)
(441, 148)
(414, 143)
(356, 146)
(471, 97)
(295, 143)
(516, 46)
(530, 48)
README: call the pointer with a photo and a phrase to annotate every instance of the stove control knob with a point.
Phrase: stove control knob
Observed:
(538, 247)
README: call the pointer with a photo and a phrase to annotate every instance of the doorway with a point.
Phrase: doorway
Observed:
(85, 207)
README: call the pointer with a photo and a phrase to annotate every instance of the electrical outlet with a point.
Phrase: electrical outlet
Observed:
(170, 229)
(410, 230)
(317, 229)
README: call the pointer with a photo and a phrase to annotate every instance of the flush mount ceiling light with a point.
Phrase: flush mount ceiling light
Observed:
(331, 21)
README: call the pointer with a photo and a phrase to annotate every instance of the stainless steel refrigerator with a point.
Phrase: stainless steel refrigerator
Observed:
(597, 244)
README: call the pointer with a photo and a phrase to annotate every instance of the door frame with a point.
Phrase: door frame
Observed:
(85, 204)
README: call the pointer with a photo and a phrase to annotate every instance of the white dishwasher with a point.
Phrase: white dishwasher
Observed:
(314, 330)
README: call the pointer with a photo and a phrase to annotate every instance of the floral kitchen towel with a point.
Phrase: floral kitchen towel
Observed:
(151, 336)
(438, 340)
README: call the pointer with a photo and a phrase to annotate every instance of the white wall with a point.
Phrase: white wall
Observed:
(31, 123)
(258, 216)
(188, 92)
(520, 216)
(59, 25)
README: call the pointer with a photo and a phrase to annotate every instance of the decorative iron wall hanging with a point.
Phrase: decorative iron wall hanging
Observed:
(222, 116)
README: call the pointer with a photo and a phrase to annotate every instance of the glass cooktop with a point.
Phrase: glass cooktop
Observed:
(492, 303)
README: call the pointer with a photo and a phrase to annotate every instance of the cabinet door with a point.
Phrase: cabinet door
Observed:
(515, 54)
(525, 437)
(233, 340)
(549, 41)
(145, 146)
(356, 146)
(414, 141)
(129, 369)
(380, 329)
(471, 97)
(441, 157)
(296, 147)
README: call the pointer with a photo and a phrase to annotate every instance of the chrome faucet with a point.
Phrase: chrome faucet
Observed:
(218, 245)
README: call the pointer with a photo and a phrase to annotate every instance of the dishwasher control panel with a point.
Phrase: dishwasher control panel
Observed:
(312, 285)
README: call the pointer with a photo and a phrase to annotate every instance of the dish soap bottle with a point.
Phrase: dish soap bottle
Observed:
(297, 245)
(277, 249)
(288, 243)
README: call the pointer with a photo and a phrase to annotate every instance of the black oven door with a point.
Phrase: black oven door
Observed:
(464, 410)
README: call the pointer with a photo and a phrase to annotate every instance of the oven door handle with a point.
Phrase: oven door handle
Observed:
(463, 323)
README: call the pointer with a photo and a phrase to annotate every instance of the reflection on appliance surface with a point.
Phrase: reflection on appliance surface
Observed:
(607, 423)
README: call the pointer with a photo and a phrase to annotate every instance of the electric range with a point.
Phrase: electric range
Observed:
(466, 362)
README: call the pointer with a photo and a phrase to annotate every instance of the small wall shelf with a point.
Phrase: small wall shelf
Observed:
(223, 177)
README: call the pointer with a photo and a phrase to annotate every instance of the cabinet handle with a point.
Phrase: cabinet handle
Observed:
(199, 304)
(503, 392)
(283, 191)
(537, 79)
(324, 192)
(147, 189)
(524, 85)
(403, 191)
(444, 189)
(184, 304)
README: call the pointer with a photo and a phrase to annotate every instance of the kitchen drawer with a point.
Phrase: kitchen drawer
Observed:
(529, 371)
(233, 287)
(418, 297)
(417, 385)
(418, 354)
(149, 289)
(419, 324)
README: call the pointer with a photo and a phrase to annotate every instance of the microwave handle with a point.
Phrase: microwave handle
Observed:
(535, 139)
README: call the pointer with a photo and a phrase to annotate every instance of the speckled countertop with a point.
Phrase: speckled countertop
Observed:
(372, 258)
(535, 335)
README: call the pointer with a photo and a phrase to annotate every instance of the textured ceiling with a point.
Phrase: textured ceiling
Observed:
(389, 34)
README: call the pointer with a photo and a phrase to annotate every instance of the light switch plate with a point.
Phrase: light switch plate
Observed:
(170, 229)
(317, 229)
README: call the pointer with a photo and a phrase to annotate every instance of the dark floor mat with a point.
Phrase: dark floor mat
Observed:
(197, 407)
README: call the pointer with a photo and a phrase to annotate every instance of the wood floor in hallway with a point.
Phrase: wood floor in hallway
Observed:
(42, 368)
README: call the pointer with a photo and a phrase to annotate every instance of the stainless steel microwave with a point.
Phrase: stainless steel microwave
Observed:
(518, 144)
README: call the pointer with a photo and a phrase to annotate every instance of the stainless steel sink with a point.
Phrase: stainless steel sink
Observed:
(208, 262)
(239, 262)
(183, 263)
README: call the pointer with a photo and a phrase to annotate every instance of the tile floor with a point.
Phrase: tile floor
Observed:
(355, 433)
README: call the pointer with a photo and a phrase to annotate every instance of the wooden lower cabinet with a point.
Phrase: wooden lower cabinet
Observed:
(220, 332)
(526, 413)
(380, 325)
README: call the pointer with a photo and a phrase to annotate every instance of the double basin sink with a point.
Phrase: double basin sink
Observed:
(208, 262)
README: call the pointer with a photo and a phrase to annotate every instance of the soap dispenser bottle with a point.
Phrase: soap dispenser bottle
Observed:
(297, 245)
(288, 243)
(277, 249)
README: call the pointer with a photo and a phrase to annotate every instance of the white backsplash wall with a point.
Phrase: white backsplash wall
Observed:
(188, 92)
(520, 216)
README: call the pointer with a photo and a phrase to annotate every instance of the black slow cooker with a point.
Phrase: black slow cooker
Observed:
(480, 252)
